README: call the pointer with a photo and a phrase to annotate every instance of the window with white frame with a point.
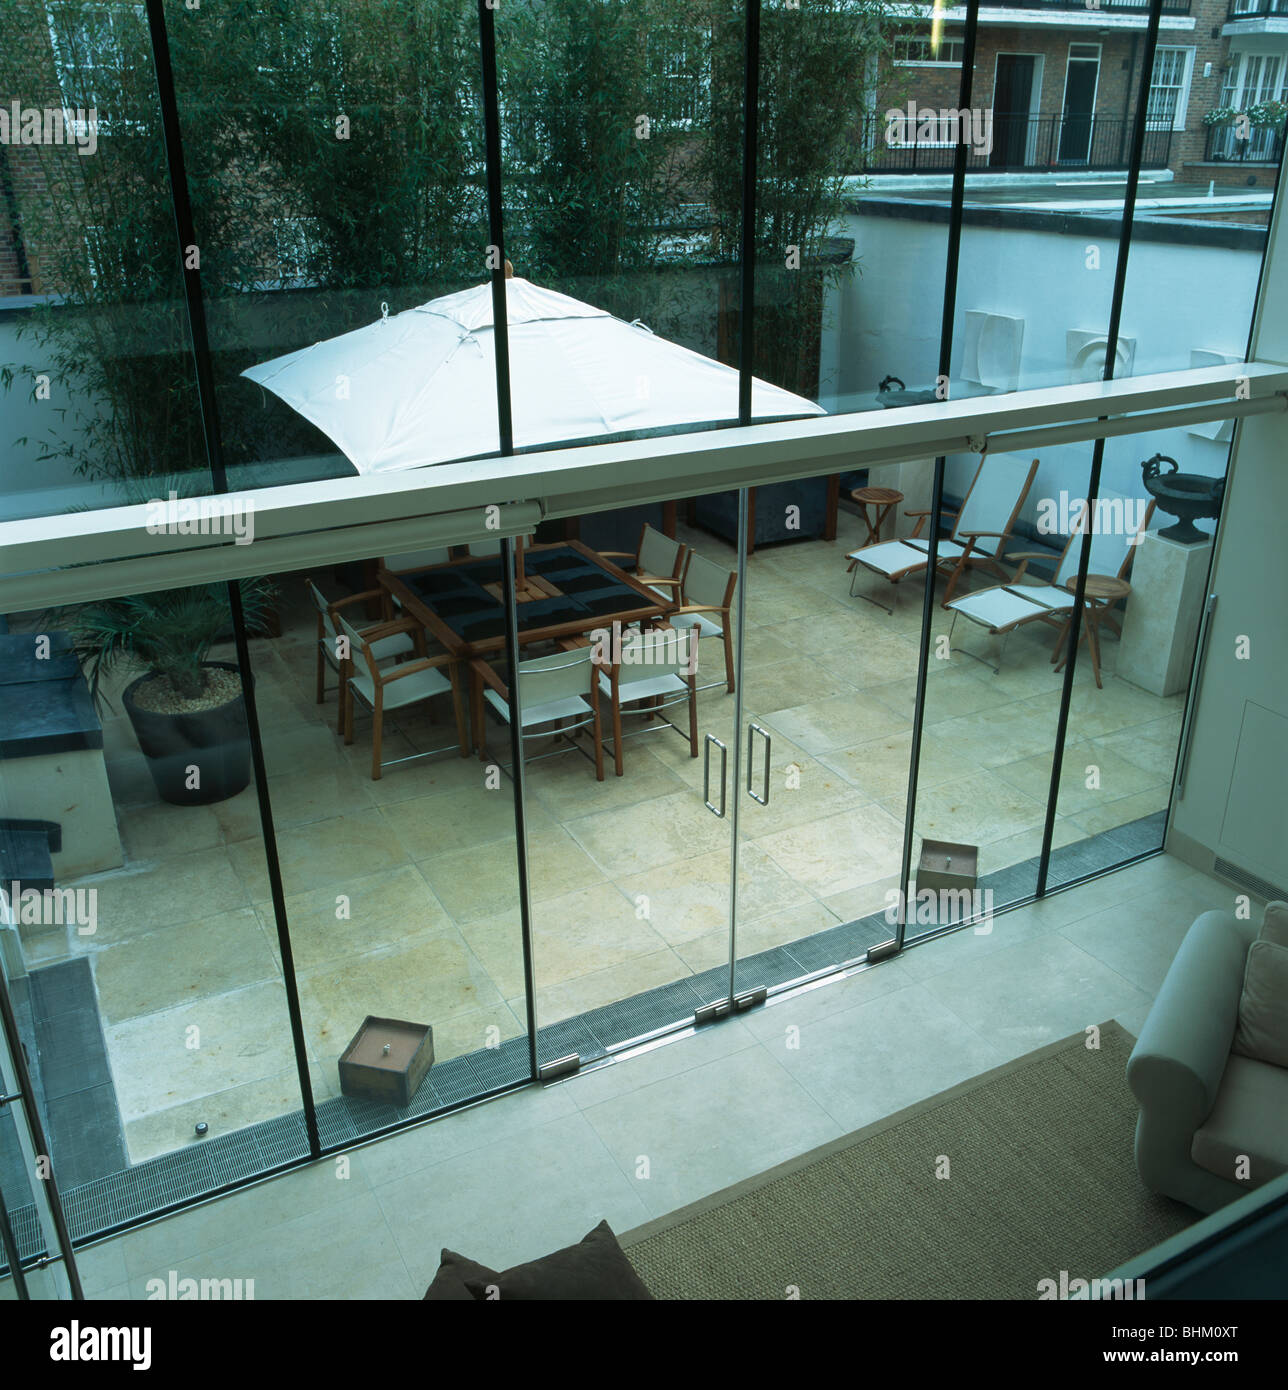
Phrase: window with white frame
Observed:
(1254, 77)
(920, 51)
(1169, 88)
(87, 40)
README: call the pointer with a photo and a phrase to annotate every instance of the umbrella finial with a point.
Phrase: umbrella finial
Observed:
(509, 269)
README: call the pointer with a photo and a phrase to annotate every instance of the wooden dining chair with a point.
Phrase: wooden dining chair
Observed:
(400, 640)
(382, 688)
(658, 561)
(706, 594)
(552, 689)
(651, 670)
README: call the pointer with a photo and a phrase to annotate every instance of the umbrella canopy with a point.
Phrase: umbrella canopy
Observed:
(420, 387)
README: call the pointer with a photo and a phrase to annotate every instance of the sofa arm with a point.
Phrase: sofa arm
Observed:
(1179, 1059)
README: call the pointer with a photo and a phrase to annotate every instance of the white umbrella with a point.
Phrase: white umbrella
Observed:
(420, 387)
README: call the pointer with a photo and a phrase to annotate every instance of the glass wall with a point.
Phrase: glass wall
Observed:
(208, 994)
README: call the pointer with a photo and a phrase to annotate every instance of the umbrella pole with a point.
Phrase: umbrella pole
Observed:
(520, 579)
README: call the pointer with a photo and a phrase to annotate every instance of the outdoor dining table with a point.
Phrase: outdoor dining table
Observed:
(567, 590)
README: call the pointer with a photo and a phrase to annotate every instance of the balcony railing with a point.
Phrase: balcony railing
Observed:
(1256, 9)
(1021, 144)
(1263, 145)
(1138, 6)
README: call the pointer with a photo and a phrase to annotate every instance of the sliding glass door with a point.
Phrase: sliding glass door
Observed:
(628, 741)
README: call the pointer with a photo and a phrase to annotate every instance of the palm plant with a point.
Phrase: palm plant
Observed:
(170, 632)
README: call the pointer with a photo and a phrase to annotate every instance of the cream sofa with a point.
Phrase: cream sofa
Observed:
(1204, 1109)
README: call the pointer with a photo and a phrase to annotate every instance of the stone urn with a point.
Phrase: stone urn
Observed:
(1186, 496)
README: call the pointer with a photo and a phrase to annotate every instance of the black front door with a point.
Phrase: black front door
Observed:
(1012, 100)
(1079, 99)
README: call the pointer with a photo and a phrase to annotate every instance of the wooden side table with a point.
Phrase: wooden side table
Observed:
(881, 500)
(1102, 591)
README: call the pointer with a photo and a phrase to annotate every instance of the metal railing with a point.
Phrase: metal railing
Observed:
(1138, 6)
(1019, 144)
(1262, 145)
(1255, 9)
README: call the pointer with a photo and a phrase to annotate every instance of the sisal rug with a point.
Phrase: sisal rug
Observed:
(1040, 1178)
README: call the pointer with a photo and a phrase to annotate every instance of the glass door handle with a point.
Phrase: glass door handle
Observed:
(752, 731)
(706, 774)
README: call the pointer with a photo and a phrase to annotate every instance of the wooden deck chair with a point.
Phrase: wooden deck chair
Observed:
(1004, 607)
(988, 512)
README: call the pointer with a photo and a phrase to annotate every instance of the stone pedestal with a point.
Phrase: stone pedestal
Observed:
(1163, 613)
(916, 480)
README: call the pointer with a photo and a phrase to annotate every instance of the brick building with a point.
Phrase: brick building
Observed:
(1060, 75)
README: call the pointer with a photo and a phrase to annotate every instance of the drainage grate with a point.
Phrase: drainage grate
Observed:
(1254, 883)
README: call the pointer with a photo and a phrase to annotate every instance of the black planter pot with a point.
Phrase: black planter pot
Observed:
(215, 741)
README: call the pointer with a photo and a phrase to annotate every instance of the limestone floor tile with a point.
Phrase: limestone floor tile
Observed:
(477, 1127)
(1110, 815)
(174, 1128)
(425, 777)
(838, 852)
(879, 766)
(949, 687)
(457, 1203)
(335, 851)
(161, 831)
(474, 885)
(334, 923)
(798, 793)
(678, 1146)
(424, 979)
(101, 1267)
(182, 963)
(1024, 729)
(655, 1061)
(782, 601)
(315, 1255)
(975, 809)
(1091, 776)
(308, 744)
(434, 825)
(199, 1048)
(1152, 746)
(889, 1051)
(587, 931)
(317, 793)
(1119, 705)
(567, 788)
(497, 942)
(778, 1025)
(787, 684)
(761, 934)
(649, 836)
(691, 898)
(1023, 847)
(562, 999)
(877, 896)
(870, 663)
(827, 725)
(476, 1029)
(1033, 993)
(969, 944)
(163, 893)
(1135, 942)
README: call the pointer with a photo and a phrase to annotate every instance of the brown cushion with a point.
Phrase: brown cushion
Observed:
(1274, 925)
(449, 1283)
(595, 1268)
(1263, 1008)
